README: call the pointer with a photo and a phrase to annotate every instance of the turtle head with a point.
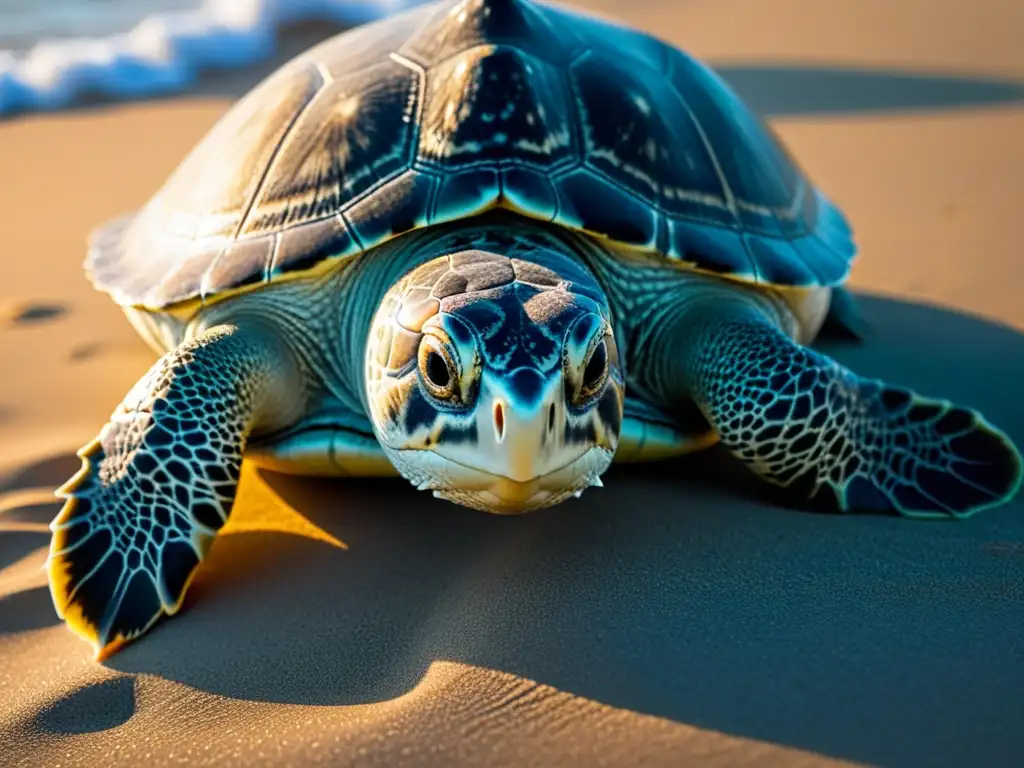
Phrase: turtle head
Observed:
(494, 381)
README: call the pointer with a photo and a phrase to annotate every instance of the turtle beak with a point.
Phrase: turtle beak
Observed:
(528, 448)
(521, 423)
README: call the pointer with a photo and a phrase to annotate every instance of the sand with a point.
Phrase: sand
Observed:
(679, 616)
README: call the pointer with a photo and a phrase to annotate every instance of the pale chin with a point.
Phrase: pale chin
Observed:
(469, 487)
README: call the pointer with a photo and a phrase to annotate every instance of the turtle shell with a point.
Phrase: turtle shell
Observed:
(455, 108)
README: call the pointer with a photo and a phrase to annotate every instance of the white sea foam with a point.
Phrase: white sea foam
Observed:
(165, 52)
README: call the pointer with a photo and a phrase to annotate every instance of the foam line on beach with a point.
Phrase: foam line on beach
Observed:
(164, 53)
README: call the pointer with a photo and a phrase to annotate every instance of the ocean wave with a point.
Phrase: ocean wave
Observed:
(165, 52)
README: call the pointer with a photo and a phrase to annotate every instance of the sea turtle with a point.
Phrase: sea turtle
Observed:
(488, 245)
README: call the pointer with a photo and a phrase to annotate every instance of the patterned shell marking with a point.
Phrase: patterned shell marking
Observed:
(452, 109)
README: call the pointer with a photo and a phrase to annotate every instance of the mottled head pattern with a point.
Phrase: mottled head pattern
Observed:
(495, 381)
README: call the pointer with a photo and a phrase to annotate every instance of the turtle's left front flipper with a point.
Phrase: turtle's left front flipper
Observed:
(796, 416)
(159, 481)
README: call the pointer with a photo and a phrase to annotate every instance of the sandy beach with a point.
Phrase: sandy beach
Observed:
(682, 615)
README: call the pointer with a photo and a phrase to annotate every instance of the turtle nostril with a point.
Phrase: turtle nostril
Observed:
(551, 417)
(499, 421)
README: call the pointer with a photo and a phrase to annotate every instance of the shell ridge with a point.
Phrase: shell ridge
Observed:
(360, 245)
(257, 190)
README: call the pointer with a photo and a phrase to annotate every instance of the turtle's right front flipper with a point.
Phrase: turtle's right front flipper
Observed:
(795, 416)
(798, 418)
(158, 482)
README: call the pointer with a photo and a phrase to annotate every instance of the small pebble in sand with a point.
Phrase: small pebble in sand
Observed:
(86, 351)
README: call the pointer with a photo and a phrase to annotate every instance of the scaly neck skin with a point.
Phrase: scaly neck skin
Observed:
(658, 307)
(652, 303)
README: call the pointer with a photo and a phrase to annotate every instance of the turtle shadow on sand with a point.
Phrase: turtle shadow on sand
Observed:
(675, 591)
(26, 508)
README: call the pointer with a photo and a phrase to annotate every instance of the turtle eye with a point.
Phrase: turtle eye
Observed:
(595, 370)
(438, 370)
(588, 359)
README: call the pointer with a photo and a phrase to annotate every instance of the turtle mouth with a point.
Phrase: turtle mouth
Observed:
(315, 446)
(479, 489)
